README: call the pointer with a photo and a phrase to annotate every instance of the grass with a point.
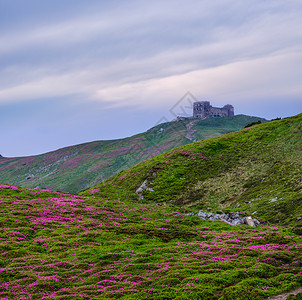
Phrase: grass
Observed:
(256, 170)
(105, 244)
(79, 167)
(62, 246)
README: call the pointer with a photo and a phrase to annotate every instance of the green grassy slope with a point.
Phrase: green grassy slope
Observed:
(60, 246)
(257, 170)
(79, 167)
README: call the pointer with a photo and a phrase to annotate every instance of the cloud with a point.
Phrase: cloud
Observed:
(143, 56)
(239, 81)
(131, 54)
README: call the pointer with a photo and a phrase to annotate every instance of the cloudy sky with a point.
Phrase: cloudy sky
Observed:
(74, 71)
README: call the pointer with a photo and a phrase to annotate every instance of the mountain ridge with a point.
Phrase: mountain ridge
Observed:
(256, 170)
(78, 167)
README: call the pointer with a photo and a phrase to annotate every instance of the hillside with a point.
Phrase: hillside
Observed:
(62, 246)
(79, 167)
(257, 170)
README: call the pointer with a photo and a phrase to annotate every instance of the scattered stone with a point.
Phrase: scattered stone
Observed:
(142, 187)
(299, 218)
(189, 214)
(232, 219)
(273, 200)
(202, 215)
(237, 222)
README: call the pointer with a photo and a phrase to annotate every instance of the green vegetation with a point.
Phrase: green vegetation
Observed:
(79, 167)
(256, 170)
(252, 124)
(105, 244)
(60, 246)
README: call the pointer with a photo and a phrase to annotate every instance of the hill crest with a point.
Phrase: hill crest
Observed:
(256, 170)
(75, 168)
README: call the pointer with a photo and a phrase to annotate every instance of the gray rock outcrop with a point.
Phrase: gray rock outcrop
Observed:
(143, 186)
(232, 219)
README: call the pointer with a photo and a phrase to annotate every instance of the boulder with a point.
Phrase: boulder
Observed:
(249, 221)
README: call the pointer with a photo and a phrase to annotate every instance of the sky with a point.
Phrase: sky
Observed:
(75, 71)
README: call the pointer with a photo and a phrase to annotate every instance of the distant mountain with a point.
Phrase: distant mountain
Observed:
(79, 167)
(256, 171)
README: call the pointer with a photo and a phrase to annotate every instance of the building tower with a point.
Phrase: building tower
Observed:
(203, 109)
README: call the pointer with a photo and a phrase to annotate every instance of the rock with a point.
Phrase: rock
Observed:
(235, 217)
(202, 214)
(250, 221)
(142, 187)
(189, 214)
(237, 222)
(299, 218)
(232, 219)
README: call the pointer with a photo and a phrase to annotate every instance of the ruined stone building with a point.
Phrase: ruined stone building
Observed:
(203, 109)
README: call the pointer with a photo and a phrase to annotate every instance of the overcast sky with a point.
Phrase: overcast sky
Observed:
(74, 71)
